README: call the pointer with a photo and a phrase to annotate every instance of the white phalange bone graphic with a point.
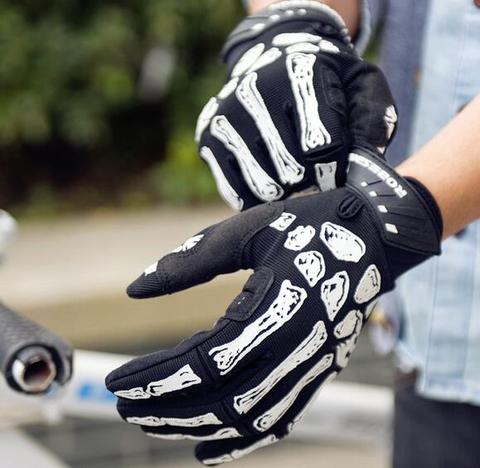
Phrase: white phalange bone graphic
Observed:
(283, 308)
(228, 89)
(183, 378)
(304, 47)
(330, 47)
(288, 169)
(239, 453)
(334, 292)
(248, 59)
(259, 182)
(151, 269)
(267, 58)
(225, 190)
(346, 348)
(205, 117)
(390, 120)
(272, 416)
(300, 71)
(299, 238)
(303, 411)
(348, 325)
(225, 433)
(325, 175)
(370, 308)
(304, 351)
(189, 243)
(284, 222)
(137, 393)
(195, 421)
(343, 244)
(311, 265)
(369, 285)
(289, 39)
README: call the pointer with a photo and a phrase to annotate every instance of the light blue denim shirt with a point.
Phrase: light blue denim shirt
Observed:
(431, 55)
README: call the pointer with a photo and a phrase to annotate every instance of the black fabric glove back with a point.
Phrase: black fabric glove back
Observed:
(320, 262)
(298, 98)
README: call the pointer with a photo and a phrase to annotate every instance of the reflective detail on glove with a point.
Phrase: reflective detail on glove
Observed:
(342, 243)
(369, 286)
(284, 222)
(236, 454)
(224, 188)
(334, 293)
(311, 265)
(325, 174)
(195, 421)
(346, 348)
(348, 325)
(259, 182)
(300, 71)
(225, 433)
(299, 238)
(270, 417)
(307, 348)
(287, 303)
(288, 169)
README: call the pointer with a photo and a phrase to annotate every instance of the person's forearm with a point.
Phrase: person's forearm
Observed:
(349, 10)
(449, 166)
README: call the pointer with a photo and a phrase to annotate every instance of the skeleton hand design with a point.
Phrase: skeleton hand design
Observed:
(297, 100)
(320, 262)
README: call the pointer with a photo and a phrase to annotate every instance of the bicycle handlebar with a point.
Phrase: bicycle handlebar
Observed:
(32, 358)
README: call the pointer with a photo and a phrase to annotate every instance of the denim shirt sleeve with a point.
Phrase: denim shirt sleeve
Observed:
(373, 12)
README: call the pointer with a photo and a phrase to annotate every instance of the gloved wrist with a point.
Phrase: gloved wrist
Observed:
(292, 16)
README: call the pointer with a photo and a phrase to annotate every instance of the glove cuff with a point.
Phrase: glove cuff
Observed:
(326, 21)
(406, 213)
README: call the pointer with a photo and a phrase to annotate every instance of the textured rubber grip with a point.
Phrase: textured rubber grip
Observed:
(17, 335)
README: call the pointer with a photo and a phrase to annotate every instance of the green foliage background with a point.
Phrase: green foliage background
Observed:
(74, 132)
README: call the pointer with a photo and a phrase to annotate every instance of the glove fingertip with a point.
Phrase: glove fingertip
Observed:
(145, 286)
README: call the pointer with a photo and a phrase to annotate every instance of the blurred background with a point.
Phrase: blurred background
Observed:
(98, 103)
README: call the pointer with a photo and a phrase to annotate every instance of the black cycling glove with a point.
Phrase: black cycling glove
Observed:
(320, 262)
(298, 98)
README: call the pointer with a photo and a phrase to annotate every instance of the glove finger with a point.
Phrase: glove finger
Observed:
(223, 451)
(373, 115)
(216, 250)
(201, 434)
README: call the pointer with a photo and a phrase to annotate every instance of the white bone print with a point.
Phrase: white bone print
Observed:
(307, 348)
(189, 244)
(205, 117)
(289, 39)
(299, 238)
(272, 416)
(305, 47)
(288, 302)
(225, 433)
(259, 182)
(300, 71)
(347, 326)
(239, 453)
(225, 190)
(311, 265)
(334, 292)
(325, 174)
(330, 47)
(195, 421)
(151, 269)
(345, 349)
(267, 58)
(370, 308)
(288, 169)
(343, 244)
(228, 89)
(248, 59)
(369, 285)
(391, 119)
(183, 378)
(284, 222)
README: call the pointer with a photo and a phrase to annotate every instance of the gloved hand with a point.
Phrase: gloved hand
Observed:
(320, 262)
(298, 98)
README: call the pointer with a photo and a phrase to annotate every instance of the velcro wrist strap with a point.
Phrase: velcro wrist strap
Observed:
(330, 22)
(404, 214)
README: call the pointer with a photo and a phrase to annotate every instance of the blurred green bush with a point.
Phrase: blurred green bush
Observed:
(76, 129)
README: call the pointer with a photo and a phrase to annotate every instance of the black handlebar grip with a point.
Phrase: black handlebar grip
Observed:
(32, 358)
